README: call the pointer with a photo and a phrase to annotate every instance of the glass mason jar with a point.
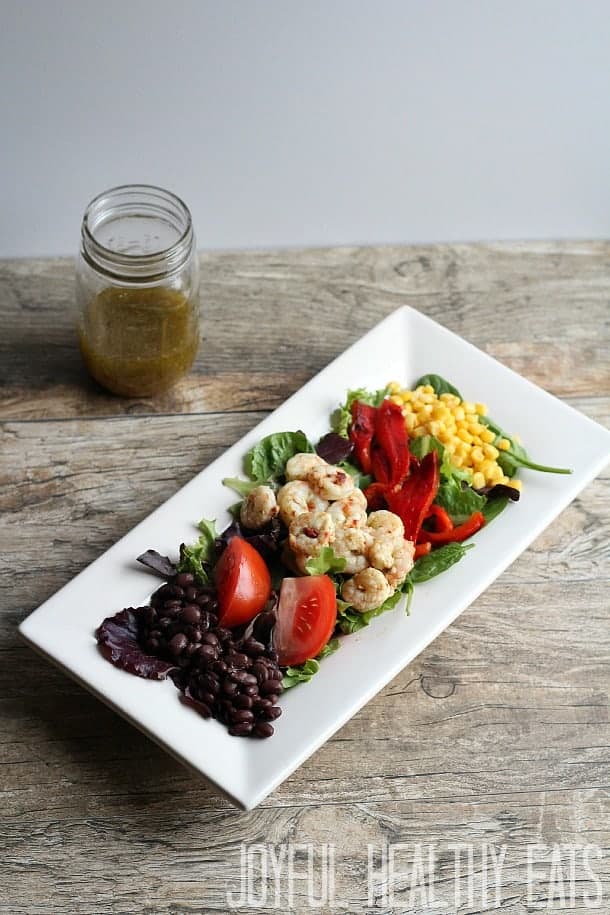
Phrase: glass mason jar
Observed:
(137, 290)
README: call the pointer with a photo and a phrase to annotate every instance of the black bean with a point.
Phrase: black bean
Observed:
(190, 614)
(204, 710)
(238, 659)
(250, 690)
(272, 655)
(178, 643)
(242, 729)
(252, 647)
(230, 688)
(271, 686)
(183, 661)
(220, 667)
(184, 579)
(263, 729)
(270, 714)
(210, 639)
(206, 652)
(260, 704)
(209, 683)
(223, 634)
(164, 623)
(260, 671)
(242, 714)
(152, 644)
(169, 591)
(195, 634)
(243, 701)
(203, 600)
(208, 698)
(242, 677)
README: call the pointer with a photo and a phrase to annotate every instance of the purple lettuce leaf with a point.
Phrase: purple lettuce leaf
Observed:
(334, 448)
(117, 639)
(160, 565)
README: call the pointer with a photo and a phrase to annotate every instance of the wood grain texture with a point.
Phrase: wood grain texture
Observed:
(497, 733)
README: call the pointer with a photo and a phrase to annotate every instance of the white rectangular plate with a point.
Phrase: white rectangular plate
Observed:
(403, 347)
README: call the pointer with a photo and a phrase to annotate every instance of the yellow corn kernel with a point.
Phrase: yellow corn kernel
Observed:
(486, 467)
(487, 436)
(397, 399)
(477, 440)
(425, 410)
(468, 406)
(480, 408)
(407, 396)
(433, 427)
(478, 480)
(439, 411)
(450, 447)
(457, 460)
(407, 408)
(449, 399)
(474, 428)
(516, 484)
(410, 421)
(496, 473)
(503, 444)
(427, 398)
(394, 387)
(490, 452)
(458, 413)
(477, 455)
(428, 389)
(443, 434)
(465, 436)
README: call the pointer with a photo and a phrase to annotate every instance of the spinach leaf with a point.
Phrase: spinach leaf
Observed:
(266, 462)
(341, 419)
(439, 384)
(325, 562)
(493, 507)
(199, 556)
(459, 502)
(438, 561)
(302, 673)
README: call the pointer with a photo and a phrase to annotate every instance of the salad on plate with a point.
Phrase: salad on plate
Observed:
(324, 539)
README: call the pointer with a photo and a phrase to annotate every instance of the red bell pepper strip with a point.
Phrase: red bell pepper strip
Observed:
(459, 533)
(442, 521)
(390, 454)
(361, 433)
(413, 500)
(376, 496)
(422, 549)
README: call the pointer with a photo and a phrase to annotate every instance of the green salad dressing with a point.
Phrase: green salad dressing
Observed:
(139, 342)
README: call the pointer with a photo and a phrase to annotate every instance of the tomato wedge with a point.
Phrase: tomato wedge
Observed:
(307, 615)
(243, 583)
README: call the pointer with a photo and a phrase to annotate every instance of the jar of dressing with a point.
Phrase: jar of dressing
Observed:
(137, 290)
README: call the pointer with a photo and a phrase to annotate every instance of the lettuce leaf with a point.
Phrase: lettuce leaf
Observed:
(325, 562)
(266, 462)
(302, 673)
(199, 557)
(341, 419)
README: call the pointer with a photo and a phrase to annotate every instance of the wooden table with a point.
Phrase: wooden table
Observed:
(498, 733)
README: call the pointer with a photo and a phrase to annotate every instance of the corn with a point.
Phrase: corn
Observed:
(516, 484)
(457, 424)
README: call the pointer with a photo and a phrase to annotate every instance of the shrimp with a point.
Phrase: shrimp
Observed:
(296, 498)
(386, 523)
(299, 465)
(351, 544)
(366, 590)
(258, 508)
(349, 511)
(402, 563)
(309, 534)
(388, 532)
(330, 482)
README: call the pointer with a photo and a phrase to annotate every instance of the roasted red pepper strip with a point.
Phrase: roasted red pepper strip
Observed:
(390, 454)
(442, 521)
(413, 500)
(361, 433)
(422, 549)
(459, 533)
(376, 496)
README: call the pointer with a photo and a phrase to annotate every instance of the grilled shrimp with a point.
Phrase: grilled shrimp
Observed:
(309, 534)
(402, 563)
(351, 544)
(296, 498)
(258, 508)
(298, 466)
(366, 590)
(386, 523)
(350, 511)
(330, 482)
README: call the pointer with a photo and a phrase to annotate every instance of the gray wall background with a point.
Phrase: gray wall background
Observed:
(302, 122)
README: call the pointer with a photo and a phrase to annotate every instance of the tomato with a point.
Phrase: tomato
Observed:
(243, 583)
(307, 615)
